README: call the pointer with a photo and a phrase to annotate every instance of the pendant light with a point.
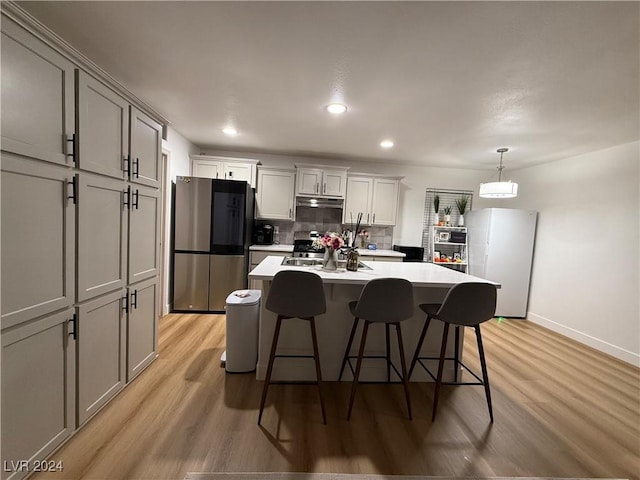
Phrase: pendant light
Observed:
(499, 189)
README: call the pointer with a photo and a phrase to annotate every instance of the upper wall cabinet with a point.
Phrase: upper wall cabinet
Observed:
(37, 97)
(275, 192)
(321, 181)
(146, 149)
(144, 233)
(38, 248)
(375, 197)
(101, 239)
(224, 168)
(102, 127)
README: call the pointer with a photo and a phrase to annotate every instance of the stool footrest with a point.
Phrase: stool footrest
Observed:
(379, 357)
(450, 359)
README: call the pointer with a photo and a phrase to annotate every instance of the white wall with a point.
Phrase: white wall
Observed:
(585, 280)
(177, 148)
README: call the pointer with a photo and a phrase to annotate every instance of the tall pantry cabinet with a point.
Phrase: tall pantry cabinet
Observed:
(80, 242)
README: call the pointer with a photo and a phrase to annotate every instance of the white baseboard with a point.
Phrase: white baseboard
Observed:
(608, 348)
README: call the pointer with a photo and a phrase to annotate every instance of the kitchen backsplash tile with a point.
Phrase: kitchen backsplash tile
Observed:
(327, 220)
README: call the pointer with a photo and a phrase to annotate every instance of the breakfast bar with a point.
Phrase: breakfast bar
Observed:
(430, 282)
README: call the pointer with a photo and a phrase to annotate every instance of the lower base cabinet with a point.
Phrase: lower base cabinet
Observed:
(38, 390)
(142, 326)
(101, 352)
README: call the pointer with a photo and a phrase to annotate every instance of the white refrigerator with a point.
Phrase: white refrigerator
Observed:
(500, 243)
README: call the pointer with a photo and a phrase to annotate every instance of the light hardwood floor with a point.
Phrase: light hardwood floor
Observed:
(561, 410)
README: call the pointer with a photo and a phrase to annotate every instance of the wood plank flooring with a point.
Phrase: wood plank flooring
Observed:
(561, 410)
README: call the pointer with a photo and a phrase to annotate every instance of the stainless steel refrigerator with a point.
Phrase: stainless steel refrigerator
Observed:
(500, 243)
(212, 222)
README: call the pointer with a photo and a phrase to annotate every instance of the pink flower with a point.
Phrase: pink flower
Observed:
(330, 240)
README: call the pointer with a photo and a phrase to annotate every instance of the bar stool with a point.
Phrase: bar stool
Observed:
(295, 294)
(465, 305)
(382, 300)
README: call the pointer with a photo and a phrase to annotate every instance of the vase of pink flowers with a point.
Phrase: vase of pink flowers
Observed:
(331, 242)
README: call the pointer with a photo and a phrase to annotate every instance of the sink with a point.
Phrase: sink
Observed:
(302, 262)
(314, 262)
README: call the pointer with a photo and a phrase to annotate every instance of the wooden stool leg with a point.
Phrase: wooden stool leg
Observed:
(419, 346)
(387, 335)
(485, 376)
(403, 362)
(346, 352)
(443, 350)
(456, 354)
(358, 365)
(272, 355)
(316, 358)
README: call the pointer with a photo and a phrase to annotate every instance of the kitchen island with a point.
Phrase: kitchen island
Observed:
(431, 283)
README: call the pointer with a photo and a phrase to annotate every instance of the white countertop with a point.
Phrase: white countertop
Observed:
(272, 248)
(419, 274)
(289, 248)
(380, 253)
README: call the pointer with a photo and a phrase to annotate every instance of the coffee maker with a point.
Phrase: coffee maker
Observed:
(263, 234)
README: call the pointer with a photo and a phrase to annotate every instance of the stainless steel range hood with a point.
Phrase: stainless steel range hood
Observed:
(319, 202)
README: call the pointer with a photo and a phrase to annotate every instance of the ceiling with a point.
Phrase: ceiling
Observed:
(449, 82)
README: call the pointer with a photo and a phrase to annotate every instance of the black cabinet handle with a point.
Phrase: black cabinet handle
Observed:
(73, 184)
(136, 168)
(71, 146)
(74, 320)
(134, 200)
(125, 303)
(126, 164)
(134, 299)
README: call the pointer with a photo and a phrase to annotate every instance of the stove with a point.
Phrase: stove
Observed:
(305, 249)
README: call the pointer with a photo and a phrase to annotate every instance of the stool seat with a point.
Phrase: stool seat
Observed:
(295, 294)
(465, 305)
(388, 301)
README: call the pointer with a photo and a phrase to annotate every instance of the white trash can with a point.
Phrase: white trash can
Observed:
(243, 315)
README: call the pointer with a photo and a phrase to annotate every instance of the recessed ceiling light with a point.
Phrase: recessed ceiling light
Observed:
(386, 143)
(230, 131)
(336, 108)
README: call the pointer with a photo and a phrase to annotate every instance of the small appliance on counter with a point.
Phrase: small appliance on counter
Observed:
(412, 254)
(263, 234)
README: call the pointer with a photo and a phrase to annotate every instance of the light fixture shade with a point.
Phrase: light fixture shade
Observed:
(499, 190)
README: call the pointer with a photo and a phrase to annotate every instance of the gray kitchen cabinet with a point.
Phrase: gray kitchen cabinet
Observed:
(145, 147)
(102, 234)
(144, 233)
(37, 97)
(38, 247)
(275, 194)
(38, 389)
(102, 128)
(142, 322)
(375, 196)
(224, 168)
(101, 340)
(321, 181)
